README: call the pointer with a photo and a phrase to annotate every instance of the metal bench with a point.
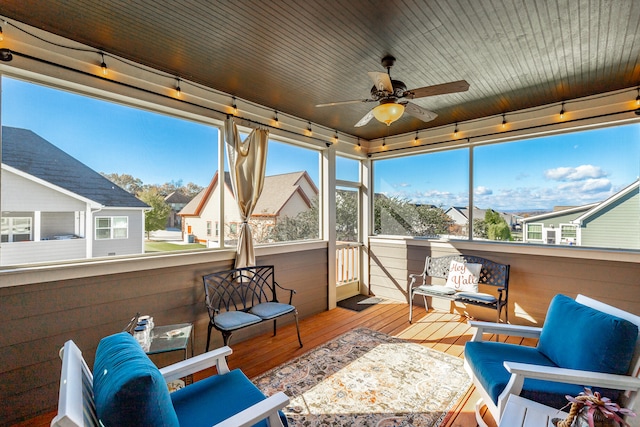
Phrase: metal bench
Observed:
(238, 298)
(492, 273)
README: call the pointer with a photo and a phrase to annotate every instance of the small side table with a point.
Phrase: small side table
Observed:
(171, 338)
(521, 412)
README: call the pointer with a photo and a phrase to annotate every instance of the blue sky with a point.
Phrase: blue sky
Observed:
(540, 173)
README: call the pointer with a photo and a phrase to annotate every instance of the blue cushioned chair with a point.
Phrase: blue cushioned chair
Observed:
(127, 389)
(583, 343)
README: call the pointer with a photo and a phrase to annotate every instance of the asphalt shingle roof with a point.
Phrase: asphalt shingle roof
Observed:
(30, 153)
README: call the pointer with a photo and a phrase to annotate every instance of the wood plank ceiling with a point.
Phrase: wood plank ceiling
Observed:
(291, 55)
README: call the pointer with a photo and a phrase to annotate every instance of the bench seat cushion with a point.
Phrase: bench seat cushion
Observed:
(128, 388)
(216, 398)
(231, 320)
(477, 297)
(486, 358)
(270, 310)
(434, 289)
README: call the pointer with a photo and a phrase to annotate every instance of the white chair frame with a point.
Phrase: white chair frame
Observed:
(520, 371)
(76, 406)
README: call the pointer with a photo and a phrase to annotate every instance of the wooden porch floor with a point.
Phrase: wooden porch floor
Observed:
(436, 329)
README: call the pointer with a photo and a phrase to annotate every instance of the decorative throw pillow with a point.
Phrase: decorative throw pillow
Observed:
(464, 277)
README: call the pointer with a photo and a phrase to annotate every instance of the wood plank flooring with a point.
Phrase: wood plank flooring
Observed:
(436, 329)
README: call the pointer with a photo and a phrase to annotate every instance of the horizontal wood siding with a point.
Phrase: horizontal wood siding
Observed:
(38, 318)
(534, 279)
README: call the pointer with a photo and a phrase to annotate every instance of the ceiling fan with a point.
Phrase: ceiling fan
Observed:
(393, 97)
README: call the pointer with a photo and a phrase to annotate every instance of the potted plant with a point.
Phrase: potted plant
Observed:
(592, 410)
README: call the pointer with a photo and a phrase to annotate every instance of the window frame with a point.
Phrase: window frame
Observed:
(11, 228)
(112, 229)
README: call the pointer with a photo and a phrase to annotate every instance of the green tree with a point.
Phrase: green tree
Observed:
(480, 228)
(347, 216)
(156, 218)
(497, 228)
(125, 181)
(303, 226)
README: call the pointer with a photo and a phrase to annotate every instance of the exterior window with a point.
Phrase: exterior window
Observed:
(538, 184)
(115, 227)
(16, 229)
(568, 234)
(208, 228)
(423, 195)
(217, 229)
(534, 232)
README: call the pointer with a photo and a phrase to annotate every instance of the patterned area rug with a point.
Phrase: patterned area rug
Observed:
(367, 378)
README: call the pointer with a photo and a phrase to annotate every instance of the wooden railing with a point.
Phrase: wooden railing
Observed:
(347, 263)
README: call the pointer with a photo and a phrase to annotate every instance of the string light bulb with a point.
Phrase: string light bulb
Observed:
(234, 107)
(335, 138)
(455, 131)
(275, 119)
(562, 111)
(103, 65)
(384, 141)
(178, 89)
(504, 121)
(359, 145)
(309, 130)
(1, 34)
(416, 140)
(638, 98)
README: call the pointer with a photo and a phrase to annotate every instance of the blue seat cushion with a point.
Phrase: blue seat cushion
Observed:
(231, 320)
(576, 336)
(216, 398)
(128, 388)
(486, 360)
(477, 297)
(269, 310)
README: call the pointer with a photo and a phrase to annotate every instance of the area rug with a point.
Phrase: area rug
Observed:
(367, 378)
(359, 302)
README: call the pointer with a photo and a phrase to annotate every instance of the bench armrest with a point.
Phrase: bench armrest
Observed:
(198, 363)
(291, 292)
(261, 410)
(413, 282)
(503, 328)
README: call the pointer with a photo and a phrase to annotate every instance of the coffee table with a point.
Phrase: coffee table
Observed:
(171, 338)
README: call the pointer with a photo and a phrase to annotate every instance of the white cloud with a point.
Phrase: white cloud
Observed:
(483, 191)
(579, 173)
(589, 186)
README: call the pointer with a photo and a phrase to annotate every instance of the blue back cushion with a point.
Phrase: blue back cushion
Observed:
(128, 388)
(576, 336)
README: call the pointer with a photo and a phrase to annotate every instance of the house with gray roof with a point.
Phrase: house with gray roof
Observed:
(612, 223)
(56, 208)
(284, 195)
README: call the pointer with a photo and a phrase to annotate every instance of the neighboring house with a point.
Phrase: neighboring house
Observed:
(177, 201)
(460, 216)
(284, 195)
(612, 223)
(55, 208)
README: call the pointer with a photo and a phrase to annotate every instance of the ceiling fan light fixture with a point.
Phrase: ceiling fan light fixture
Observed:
(388, 112)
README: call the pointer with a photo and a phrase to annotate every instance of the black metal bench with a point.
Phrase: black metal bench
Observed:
(238, 298)
(491, 273)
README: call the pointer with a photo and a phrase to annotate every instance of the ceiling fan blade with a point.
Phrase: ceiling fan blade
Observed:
(366, 119)
(441, 89)
(382, 81)
(353, 101)
(419, 112)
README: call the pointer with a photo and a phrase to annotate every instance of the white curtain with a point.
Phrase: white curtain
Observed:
(247, 164)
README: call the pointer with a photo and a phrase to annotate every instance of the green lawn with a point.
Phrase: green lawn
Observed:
(150, 247)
